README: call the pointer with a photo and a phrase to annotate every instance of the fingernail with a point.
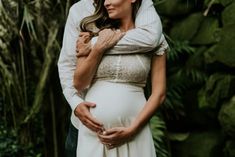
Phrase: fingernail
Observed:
(104, 132)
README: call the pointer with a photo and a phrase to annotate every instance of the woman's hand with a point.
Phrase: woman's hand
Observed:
(116, 137)
(107, 39)
(82, 111)
(83, 46)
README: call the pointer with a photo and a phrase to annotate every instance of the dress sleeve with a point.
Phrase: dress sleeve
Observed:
(162, 47)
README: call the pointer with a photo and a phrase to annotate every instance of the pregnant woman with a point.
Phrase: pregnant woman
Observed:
(114, 82)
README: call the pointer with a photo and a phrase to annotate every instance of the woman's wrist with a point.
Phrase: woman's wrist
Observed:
(133, 130)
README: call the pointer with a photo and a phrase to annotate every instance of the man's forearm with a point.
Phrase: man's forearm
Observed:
(144, 37)
(67, 58)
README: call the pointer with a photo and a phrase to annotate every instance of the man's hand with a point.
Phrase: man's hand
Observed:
(83, 44)
(82, 111)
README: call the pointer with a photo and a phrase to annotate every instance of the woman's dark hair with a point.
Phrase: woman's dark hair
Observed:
(100, 19)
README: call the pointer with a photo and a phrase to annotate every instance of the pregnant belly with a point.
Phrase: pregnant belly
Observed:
(116, 104)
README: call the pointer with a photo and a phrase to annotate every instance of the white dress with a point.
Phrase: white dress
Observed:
(117, 91)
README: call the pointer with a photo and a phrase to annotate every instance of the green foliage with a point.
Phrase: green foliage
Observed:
(161, 143)
(201, 61)
(30, 33)
(178, 48)
(29, 46)
(11, 147)
(181, 76)
(218, 87)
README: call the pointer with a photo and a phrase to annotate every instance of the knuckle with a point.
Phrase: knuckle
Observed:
(85, 120)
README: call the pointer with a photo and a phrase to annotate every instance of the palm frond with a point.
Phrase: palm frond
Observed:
(178, 48)
(161, 143)
(28, 21)
(44, 76)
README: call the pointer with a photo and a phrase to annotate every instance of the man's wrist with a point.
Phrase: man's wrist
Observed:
(76, 109)
(98, 49)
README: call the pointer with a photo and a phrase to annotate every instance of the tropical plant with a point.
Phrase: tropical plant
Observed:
(29, 43)
(183, 72)
(159, 132)
(30, 35)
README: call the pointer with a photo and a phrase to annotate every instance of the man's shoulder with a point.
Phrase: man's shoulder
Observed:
(83, 4)
(77, 6)
(77, 10)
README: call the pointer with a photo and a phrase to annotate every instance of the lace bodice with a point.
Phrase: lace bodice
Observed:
(127, 68)
(132, 68)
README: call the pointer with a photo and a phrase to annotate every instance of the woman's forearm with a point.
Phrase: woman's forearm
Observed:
(154, 101)
(158, 79)
(86, 68)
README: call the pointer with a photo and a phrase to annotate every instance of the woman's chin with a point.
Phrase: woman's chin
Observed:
(113, 17)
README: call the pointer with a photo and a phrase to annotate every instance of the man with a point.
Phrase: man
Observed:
(144, 38)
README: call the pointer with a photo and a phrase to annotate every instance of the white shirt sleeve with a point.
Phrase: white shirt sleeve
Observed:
(67, 60)
(146, 35)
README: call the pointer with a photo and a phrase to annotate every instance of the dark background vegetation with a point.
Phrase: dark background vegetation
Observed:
(196, 120)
